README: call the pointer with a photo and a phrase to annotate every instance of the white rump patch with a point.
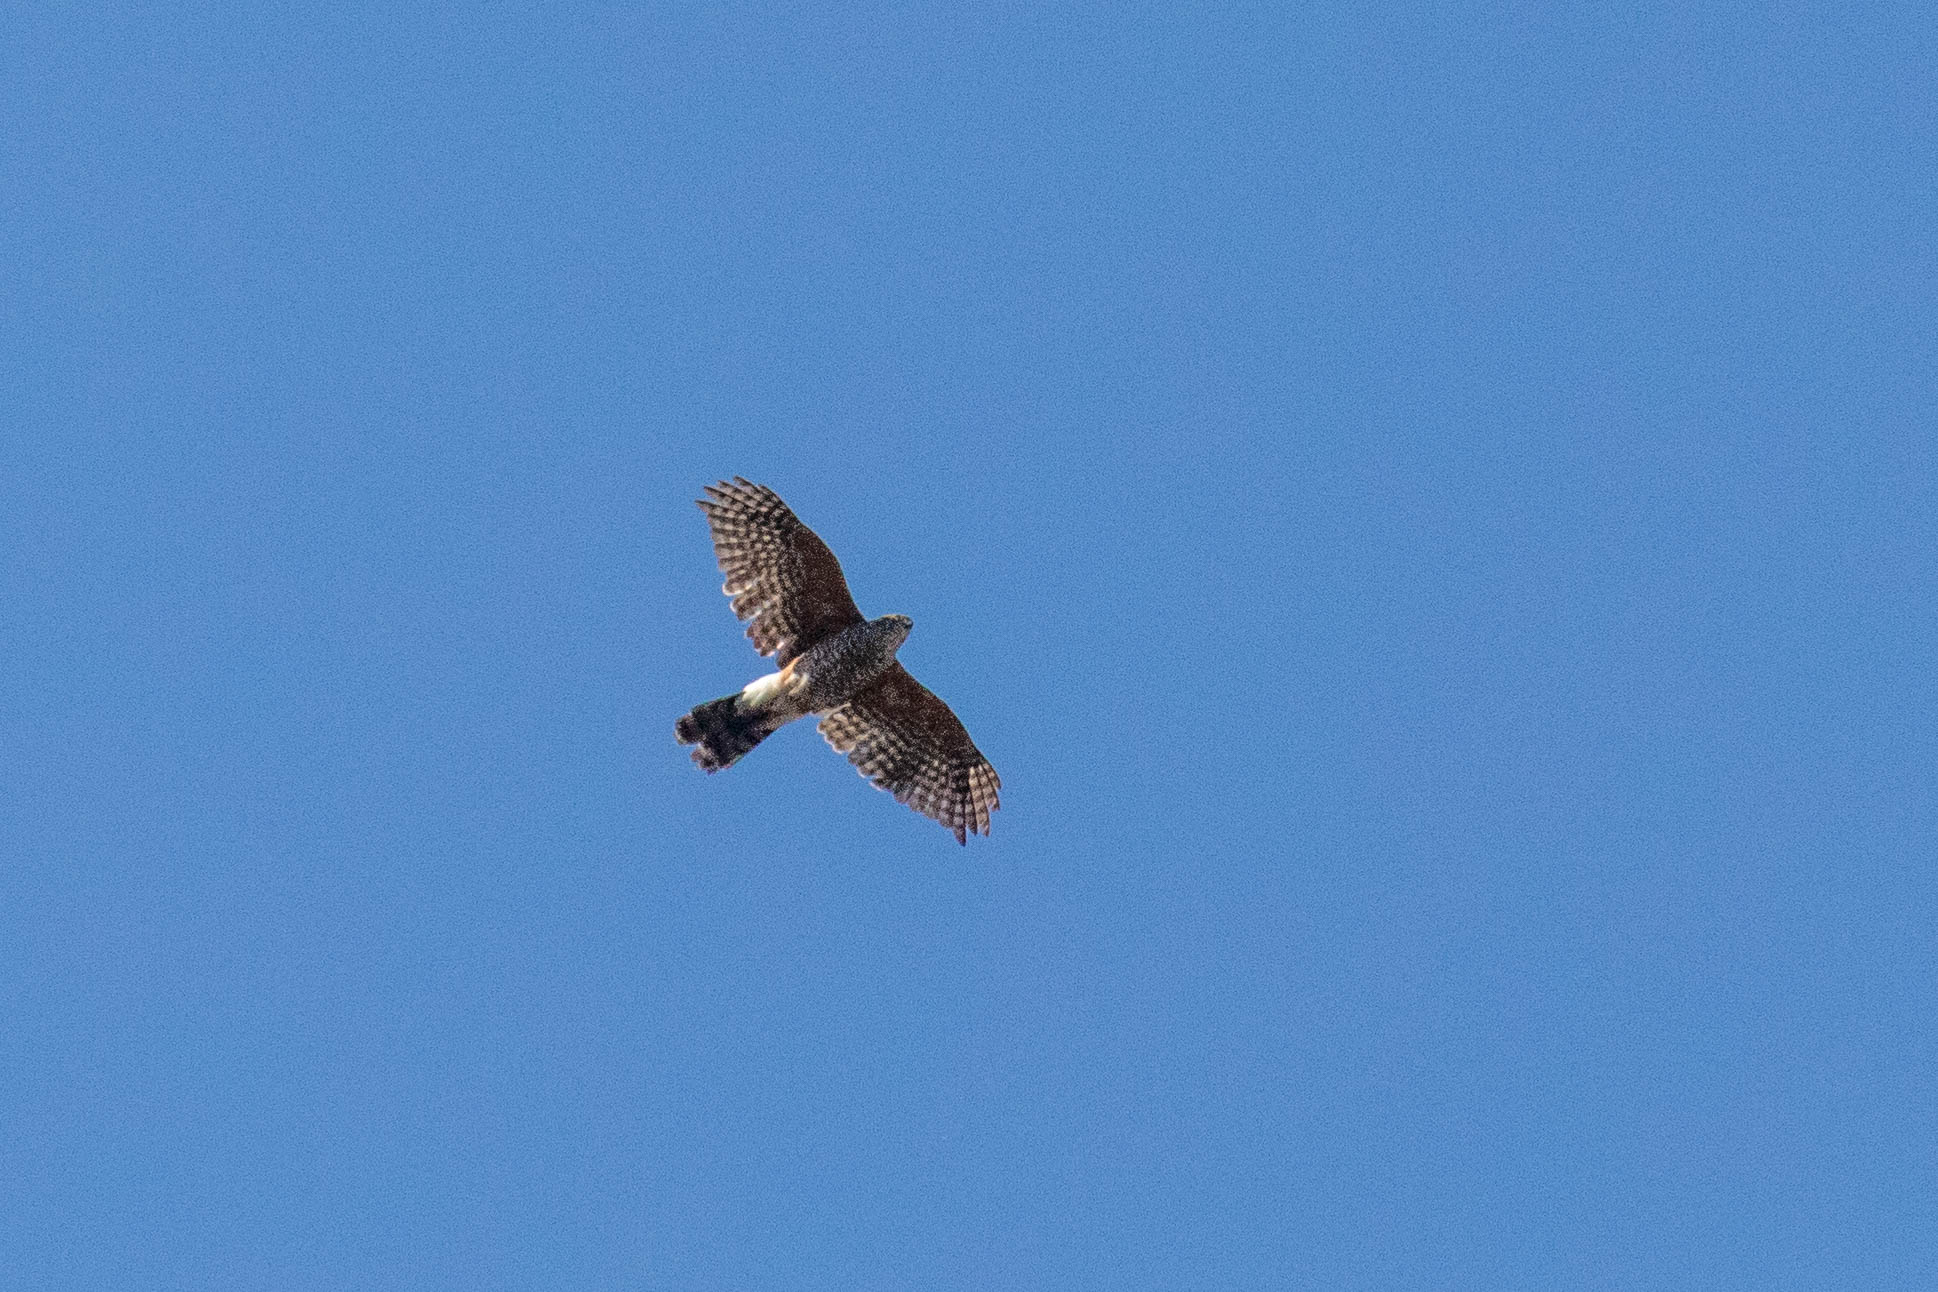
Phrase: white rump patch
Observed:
(760, 692)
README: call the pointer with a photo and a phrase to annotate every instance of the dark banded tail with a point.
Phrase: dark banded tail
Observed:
(723, 730)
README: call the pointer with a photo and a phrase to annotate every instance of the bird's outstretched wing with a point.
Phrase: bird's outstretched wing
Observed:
(908, 742)
(781, 576)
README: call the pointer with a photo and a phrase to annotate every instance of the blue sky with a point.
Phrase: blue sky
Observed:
(1429, 509)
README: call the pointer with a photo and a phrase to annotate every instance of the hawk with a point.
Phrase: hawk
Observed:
(786, 583)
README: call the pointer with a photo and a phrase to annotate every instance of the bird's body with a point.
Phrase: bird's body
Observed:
(788, 585)
(824, 677)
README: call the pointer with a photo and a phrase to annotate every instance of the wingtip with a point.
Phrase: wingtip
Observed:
(723, 492)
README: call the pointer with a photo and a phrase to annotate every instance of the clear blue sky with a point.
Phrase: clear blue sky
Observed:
(1430, 509)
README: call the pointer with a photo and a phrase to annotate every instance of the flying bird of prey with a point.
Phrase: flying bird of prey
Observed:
(831, 662)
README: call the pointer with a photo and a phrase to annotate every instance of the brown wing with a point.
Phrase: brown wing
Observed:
(779, 573)
(900, 736)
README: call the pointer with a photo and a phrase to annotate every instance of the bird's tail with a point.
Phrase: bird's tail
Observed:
(724, 730)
